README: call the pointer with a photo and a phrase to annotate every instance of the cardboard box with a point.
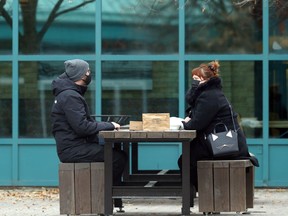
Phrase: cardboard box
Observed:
(156, 121)
(136, 125)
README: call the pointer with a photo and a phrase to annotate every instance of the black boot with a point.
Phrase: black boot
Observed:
(192, 195)
(118, 204)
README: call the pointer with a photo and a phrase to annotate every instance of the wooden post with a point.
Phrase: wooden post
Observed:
(225, 185)
(81, 188)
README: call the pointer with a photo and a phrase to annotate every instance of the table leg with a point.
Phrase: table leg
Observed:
(126, 172)
(186, 178)
(134, 158)
(108, 209)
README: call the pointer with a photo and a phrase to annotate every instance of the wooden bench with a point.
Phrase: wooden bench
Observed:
(81, 188)
(225, 185)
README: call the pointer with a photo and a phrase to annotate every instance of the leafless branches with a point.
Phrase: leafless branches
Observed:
(242, 3)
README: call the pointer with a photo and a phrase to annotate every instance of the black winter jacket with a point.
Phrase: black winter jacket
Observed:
(72, 125)
(209, 106)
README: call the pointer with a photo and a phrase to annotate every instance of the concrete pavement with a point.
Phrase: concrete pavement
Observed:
(36, 201)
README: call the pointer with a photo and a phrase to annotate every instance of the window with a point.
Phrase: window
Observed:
(222, 27)
(133, 88)
(278, 26)
(5, 28)
(6, 99)
(278, 103)
(71, 32)
(139, 27)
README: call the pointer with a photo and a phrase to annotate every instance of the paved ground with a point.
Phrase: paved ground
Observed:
(45, 201)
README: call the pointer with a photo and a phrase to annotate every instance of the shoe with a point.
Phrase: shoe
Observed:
(118, 204)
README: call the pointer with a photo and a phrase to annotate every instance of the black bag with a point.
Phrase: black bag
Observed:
(224, 143)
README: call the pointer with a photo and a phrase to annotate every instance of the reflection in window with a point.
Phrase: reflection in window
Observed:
(278, 24)
(6, 26)
(35, 97)
(6, 99)
(278, 103)
(222, 27)
(239, 80)
(139, 26)
(133, 88)
(71, 29)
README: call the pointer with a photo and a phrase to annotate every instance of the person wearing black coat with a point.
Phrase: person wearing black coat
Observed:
(207, 107)
(75, 131)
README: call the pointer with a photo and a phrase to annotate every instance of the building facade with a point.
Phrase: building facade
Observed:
(141, 54)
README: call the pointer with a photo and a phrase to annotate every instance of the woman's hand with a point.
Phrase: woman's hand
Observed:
(116, 125)
(187, 119)
(200, 79)
(195, 77)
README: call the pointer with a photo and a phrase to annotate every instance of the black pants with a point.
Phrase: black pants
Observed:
(119, 163)
(197, 152)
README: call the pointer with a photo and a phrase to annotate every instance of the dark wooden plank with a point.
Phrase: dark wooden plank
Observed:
(140, 191)
(170, 134)
(221, 186)
(240, 163)
(187, 134)
(66, 188)
(138, 134)
(107, 134)
(250, 172)
(97, 188)
(151, 177)
(205, 186)
(237, 187)
(82, 188)
(122, 134)
(155, 134)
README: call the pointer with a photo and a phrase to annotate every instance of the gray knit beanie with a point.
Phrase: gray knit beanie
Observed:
(75, 69)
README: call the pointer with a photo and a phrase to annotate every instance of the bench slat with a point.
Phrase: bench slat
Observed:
(82, 188)
(66, 188)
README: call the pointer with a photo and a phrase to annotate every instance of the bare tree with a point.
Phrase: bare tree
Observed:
(30, 39)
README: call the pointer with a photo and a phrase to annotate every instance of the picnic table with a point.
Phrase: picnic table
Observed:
(147, 184)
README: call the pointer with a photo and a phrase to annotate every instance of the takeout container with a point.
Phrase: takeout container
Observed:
(136, 125)
(152, 122)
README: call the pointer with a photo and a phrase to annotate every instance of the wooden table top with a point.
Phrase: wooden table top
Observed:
(169, 134)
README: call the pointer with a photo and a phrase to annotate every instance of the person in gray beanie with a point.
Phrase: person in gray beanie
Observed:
(75, 131)
(75, 69)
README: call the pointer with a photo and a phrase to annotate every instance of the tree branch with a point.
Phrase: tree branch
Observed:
(53, 15)
(5, 14)
(74, 8)
(50, 20)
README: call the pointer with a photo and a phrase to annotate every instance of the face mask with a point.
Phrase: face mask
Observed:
(87, 80)
(83, 89)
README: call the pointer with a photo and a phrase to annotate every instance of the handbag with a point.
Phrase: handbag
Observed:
(223, 143)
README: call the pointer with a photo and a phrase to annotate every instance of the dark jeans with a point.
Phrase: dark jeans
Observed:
(197, 152)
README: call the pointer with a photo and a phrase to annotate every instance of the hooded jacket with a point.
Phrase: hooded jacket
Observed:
(209, 106)
(75, 131)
